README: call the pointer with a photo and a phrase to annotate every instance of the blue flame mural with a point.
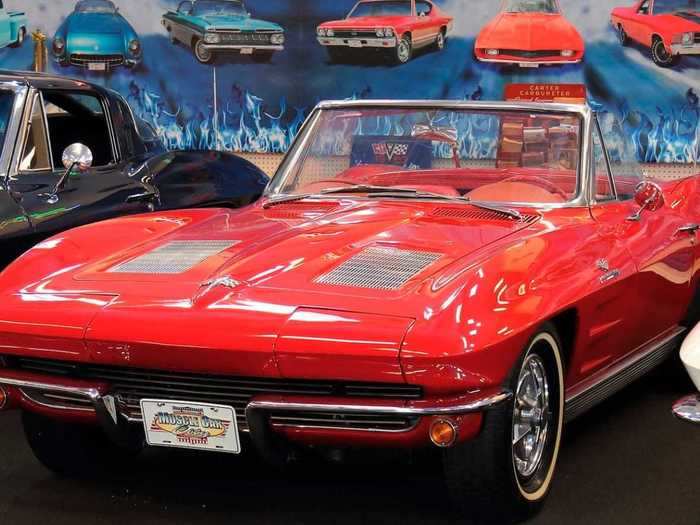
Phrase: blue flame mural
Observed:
(238, 104)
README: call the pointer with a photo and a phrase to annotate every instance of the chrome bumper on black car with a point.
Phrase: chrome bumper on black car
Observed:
(117, 392)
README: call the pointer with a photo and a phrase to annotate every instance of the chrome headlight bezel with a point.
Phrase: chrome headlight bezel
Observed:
(212, 38)
(277, 39)
(567, 53)
(687, 38)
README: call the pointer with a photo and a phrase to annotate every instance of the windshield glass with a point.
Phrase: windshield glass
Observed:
(218, 7)
(95, 6)
(7, 99)
(487, 156)
(531, 6)
(391, 8)
(671, 6)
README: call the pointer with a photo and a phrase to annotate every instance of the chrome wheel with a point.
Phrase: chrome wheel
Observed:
(440, 40)
(404, 50)
(532, 417)
(203, 54)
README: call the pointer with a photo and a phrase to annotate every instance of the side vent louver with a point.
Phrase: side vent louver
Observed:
(173, 258)
(466, 212)
(379, 268)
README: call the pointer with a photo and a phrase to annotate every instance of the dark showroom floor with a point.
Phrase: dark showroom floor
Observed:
(627, 462)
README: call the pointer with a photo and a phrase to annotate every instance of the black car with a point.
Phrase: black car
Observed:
(73, 153)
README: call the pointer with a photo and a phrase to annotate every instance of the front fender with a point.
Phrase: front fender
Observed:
(189, 179)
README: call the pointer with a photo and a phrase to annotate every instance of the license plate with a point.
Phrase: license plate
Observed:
(247, 51)
(529, 65)
(97, 66)
(199, 426)
(355, 43)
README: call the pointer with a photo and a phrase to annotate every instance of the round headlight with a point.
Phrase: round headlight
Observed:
(492, 52)
(380, 32)
(389, 32)
(277, 39)
(135, 47)
(687, 38)
(330, 32)
(212, 38)
(321, 31)
(567, 53)
(59, 45)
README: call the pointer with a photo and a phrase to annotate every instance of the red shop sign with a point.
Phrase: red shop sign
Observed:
(574, 93)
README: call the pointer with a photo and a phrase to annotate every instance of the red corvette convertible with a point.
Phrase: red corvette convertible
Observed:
(670, 28)
(454, 274)
(394, 27)
(530, 33)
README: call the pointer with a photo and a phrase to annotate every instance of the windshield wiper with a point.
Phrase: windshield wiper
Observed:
(359, 188)
(416, 194)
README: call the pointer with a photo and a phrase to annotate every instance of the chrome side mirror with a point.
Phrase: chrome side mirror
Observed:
(77, 156)
(649, 196)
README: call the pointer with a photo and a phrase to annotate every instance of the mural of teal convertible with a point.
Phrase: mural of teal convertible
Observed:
(13, 27)
(212, 27)
(96, 36)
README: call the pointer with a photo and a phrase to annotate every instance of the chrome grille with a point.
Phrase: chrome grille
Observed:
(379, 268)
(544, 53)
(247, 37)
(355, 34)
(129, 386)
(85, 60)
(173, 258)
(339, 420)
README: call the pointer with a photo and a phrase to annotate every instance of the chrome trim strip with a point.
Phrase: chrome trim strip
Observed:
(91, 393)
(621, 374)
(52, 406)
(534, 63)
(264, 47)
(485, 403)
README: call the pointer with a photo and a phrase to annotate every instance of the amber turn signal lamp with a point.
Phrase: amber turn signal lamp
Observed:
(443, 433)
(4, 397)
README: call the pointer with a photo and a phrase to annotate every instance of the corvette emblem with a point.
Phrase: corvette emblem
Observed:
(603, 265)
(390, 151)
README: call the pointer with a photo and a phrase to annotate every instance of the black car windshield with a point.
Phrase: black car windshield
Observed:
(95, 6)
(218, 7)
(7, 99)
(662, 7)
(531, 6)
(390, 8)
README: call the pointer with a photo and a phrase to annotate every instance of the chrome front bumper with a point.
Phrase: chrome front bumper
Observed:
(46, 392)
(362, 42)
(688, 409)
(238, 47)
(680, 49)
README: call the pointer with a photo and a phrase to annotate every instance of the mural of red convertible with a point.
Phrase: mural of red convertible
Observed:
(669, 28)
(530, 33)
(393, 27)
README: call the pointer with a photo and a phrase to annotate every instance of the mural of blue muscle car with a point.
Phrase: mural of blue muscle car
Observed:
(13, 27)
(211, 27)
(96, 36)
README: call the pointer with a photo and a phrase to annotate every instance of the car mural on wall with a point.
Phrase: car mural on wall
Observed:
(669, 28)
(97, 37)
(395, 28)
(49, 123)
(13, 27)
(530, 33)
(217, 27)
(468, 275)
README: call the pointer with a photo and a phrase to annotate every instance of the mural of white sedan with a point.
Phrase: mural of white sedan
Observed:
(688, 408)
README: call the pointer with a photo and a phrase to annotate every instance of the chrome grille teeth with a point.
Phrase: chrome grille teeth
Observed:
(173, 258)
(379, 268)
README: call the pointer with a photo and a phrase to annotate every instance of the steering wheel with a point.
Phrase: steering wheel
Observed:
(541, 182)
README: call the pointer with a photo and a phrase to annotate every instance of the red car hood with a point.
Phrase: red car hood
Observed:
(366, 22)
(271, 314)
(530, 32)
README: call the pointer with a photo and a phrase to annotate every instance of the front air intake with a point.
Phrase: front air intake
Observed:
(379, 268)
(173, 258)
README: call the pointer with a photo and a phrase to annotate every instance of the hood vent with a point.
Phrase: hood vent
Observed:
(173, 258)
(466, 212)
(299, 210)
(379, 268)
